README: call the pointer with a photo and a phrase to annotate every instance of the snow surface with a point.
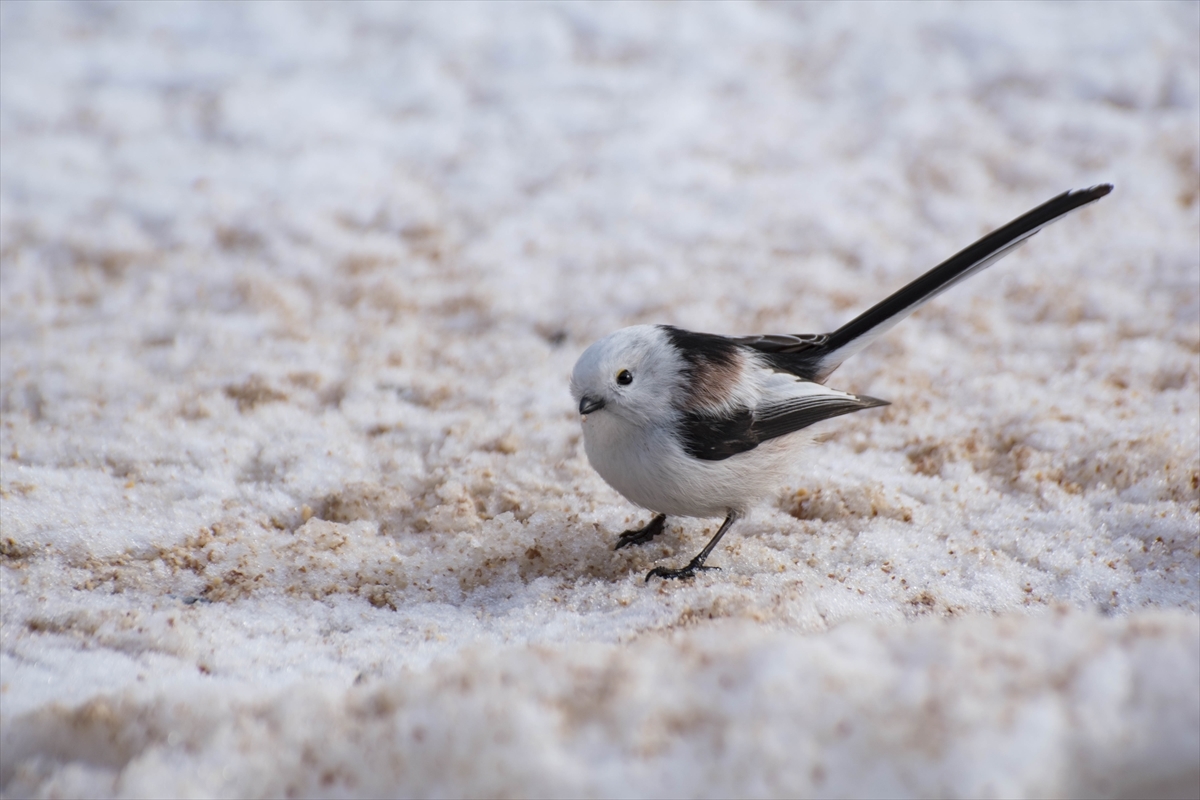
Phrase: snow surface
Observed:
(293, 494)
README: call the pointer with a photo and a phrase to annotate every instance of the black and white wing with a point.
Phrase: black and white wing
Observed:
(714, 436)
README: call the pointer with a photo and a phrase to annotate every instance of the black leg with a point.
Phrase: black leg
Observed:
(642, 535)
(697, 563)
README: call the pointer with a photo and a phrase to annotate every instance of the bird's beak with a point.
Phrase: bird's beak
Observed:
(587, 405)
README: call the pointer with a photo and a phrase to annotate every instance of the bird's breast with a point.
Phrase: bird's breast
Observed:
(650, 468)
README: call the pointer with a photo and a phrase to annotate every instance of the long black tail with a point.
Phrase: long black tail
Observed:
(877, 320)
(814, 357)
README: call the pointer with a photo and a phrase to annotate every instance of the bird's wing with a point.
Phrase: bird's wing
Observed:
(788, 405)
(799, 354)
(715, 437)
(793, 415)
(783, 342)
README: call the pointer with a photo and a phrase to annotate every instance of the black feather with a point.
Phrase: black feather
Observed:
(814, 356)
(962, 264)
(716, 437)
(700, 350)
(797, 414)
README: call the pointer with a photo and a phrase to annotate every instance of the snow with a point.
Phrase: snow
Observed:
(292, 492)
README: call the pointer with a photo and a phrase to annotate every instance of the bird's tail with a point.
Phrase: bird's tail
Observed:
(859, 332)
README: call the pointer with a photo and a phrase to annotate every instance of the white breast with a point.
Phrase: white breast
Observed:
(649, 467)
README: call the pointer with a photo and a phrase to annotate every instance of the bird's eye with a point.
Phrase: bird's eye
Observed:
(624, 377)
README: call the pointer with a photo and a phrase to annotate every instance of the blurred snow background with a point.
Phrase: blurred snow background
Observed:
(293, 499)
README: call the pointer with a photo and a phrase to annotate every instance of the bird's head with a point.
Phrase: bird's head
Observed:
(633, 373)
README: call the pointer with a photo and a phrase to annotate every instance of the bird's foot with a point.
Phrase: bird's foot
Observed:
(687, 572)
(642, 535)
(697, 563)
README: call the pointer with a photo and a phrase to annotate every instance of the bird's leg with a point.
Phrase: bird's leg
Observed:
(642, 535)
(697, 563)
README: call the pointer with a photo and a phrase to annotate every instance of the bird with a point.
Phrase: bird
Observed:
(687, 424)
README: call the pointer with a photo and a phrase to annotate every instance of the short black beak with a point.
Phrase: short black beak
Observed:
(587, 405)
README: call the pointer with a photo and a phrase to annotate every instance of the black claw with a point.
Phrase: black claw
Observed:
(642, 535)
(687, 572)
(697, 563)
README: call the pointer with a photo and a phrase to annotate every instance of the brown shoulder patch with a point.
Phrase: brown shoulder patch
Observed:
(713, 364)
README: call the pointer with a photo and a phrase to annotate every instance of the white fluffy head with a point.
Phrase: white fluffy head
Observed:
(655, 373)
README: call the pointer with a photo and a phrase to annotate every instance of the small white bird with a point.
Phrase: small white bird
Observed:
(700, 425)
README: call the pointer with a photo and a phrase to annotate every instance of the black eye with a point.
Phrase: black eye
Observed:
(624, 377)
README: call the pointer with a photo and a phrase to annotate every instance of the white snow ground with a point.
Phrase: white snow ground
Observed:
(293, 498)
